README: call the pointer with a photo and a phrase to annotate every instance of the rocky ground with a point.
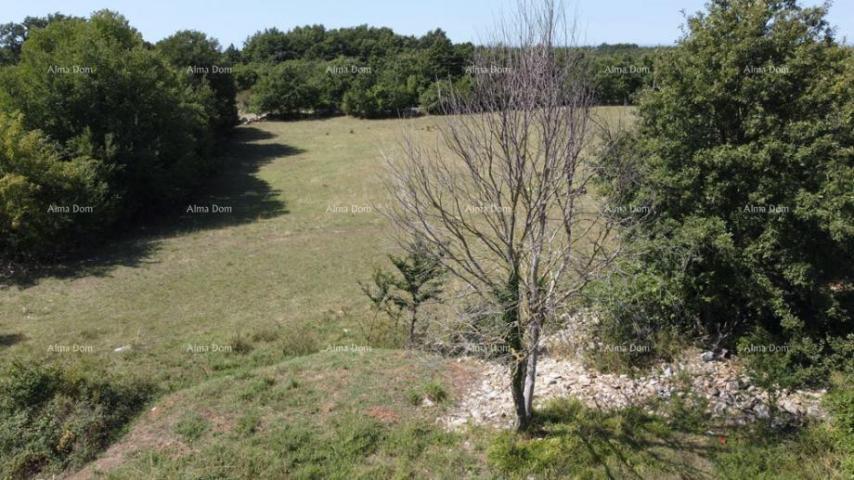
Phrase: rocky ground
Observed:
(728, 392)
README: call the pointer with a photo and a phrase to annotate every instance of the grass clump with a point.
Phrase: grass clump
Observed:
(432, 390)
(436, 392)
(191, 427)
(249, 423)
(53, 418)
(240, 345)
(299, 341)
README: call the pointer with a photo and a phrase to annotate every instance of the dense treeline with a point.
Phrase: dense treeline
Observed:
(361, 71)
(99, 127)
(619, 73)
(373, 72)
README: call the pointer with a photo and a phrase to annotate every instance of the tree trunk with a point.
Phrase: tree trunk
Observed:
(509, 300)
(413, 317)
(531, 367)
(517, 387)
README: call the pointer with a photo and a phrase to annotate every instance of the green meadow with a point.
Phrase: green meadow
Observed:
(243, 312)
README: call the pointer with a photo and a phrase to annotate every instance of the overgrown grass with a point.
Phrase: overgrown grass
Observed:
(328, 415)
(53, 418)
(572, 441)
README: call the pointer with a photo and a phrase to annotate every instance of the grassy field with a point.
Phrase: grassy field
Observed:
(284, 262)
(245, 322)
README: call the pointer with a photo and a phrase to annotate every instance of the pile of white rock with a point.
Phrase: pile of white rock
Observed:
(729, 395)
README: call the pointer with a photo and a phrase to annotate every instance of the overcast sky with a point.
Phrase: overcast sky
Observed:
(645, 22)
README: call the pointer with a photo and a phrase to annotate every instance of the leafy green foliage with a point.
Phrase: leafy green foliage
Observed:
(743, 156)
(361, 71)
(390, 92)
(36, 177)
(285, 89)
(372, 72)
(417, 281)
(52, 418)
(434, 100)
(620, 72)
(13, 35)
(119, 115)
(200, 59)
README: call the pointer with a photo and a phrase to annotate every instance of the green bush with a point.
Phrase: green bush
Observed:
(618, 78)
(436, 392)
(200, 59)
(246, 75)
(118, 112)
(433, 390)
(52, 418)
(391, 89)
(285, 89)
(38, 181)
(742, 161)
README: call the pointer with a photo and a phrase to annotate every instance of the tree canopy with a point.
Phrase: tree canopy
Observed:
(744, 154)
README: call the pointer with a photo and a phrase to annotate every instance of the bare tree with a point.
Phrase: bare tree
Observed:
(503, 193)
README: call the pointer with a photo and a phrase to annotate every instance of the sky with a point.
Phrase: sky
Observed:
(645, 22)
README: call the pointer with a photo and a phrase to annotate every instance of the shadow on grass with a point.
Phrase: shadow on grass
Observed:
(235, 196)
(571, 441)
(7, 340)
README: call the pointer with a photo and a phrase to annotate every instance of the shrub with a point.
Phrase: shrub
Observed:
(300, 340)
(433, 390)
(56, 418)
(618, 78)
(742, 155)
(38, 180)
(246, 75)
(240, 345)
(284, 89)
(416, 281)
(389, 91)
